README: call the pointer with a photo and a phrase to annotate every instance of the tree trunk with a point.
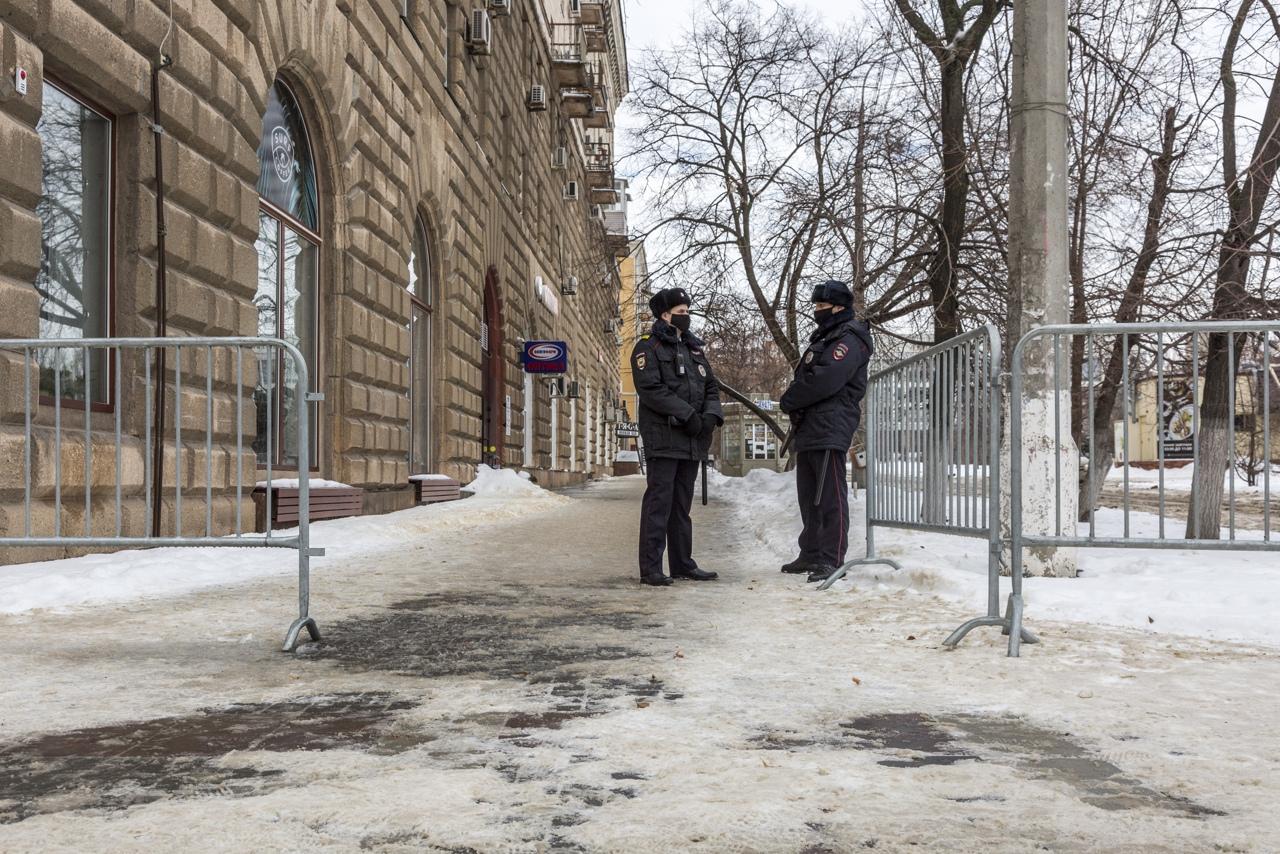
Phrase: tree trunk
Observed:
(1102, 440)
(943, 279)
(1247, 197)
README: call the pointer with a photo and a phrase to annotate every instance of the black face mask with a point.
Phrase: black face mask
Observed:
(822, 315)
(681, 321)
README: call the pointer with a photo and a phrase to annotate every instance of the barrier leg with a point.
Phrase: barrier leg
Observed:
(304, 620)
(862, 561)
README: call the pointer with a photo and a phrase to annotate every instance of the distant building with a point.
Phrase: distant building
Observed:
(747, 442)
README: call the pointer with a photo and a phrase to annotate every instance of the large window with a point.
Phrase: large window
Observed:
(759, 443)
(288, 276)
(75, 242)
(422, 298)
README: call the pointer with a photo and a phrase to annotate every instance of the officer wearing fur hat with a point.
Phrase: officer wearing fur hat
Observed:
(679, 412)
(824, 402)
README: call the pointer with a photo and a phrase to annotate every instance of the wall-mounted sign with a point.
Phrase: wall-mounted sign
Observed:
(546, 296)
(545, 357)
(628, 430)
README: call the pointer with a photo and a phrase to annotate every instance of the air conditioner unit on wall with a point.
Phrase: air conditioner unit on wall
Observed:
(560, 158)
(610, 325)
(569, 286)
(573, 392)
(575, 8)
(571, 190)
(500, 8)
(480, 33)
(537, 98)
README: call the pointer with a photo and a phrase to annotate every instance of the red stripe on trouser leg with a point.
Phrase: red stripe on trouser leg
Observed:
(842, 497)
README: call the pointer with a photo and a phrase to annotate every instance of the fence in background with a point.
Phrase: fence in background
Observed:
(76, 391)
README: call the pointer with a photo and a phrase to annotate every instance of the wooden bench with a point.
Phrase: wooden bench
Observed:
(325, 502)
(435, 490)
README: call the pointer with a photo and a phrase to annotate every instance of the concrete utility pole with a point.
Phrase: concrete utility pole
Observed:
(1038, 279)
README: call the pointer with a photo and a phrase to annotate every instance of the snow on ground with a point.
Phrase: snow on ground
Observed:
(1179, 479)
(1220, 595)
(148, 573)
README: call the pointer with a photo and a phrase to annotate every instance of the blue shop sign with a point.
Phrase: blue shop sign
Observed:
(545, 357)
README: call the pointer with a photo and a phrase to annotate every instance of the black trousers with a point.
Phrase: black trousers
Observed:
(664, 516)
(825, 537)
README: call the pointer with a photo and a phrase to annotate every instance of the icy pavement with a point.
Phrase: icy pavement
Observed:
(505, 685)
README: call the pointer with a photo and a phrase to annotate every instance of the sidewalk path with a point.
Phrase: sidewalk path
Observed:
(512, 688)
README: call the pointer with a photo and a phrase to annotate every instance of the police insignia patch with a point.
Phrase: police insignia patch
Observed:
(841, 351)
(808, 357)
(640, 361)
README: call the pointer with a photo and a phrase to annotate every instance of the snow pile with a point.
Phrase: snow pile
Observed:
(151, 573)
(293, 483)
(504, 483)
(1221, 595)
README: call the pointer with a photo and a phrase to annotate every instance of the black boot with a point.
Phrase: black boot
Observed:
(696, 574)
(820, 573)
(797, 566)
(656, 580)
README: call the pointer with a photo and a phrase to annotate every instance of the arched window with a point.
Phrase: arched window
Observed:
(288, 275)
(421, 368)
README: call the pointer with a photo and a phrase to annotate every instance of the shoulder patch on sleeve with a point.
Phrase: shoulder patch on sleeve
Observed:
(641, 359)
(842, 350)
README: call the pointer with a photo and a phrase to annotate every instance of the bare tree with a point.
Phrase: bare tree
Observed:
(1246, 193)
(953, 39)
(757, 135)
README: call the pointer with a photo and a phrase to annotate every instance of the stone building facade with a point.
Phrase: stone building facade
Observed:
(406, 189)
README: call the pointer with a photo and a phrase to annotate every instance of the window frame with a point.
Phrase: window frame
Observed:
(109, 302)
(422, 241)
(285, 220)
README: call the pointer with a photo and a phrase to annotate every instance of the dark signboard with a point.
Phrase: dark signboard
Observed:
(545, 357)
(628, 430)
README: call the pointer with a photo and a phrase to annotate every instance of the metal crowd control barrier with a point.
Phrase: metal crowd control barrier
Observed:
(73, 371)
(933, 455)
(1163, 356)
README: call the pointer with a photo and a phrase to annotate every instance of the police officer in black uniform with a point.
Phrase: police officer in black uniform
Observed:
(679, 412)
(824, 402)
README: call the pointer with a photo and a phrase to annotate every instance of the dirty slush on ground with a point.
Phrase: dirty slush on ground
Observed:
(513, 689)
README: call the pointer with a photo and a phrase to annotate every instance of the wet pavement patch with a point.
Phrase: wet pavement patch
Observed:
(123, 765)
(494, 635)
(918, 740)
(1054, 756)
(914, 740)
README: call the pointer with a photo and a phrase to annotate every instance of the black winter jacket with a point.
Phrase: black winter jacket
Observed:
(825, 398)
(673, 380)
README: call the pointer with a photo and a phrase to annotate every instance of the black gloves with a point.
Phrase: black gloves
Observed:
(692, 426)
(709, 424)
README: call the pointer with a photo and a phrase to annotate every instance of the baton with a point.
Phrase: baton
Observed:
(704, 483)
(822, 477)
(786, 443)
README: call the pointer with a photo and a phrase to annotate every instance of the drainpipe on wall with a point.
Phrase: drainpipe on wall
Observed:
(157, 449)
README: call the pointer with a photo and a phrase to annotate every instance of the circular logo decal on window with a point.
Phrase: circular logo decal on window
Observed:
(282, 153)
